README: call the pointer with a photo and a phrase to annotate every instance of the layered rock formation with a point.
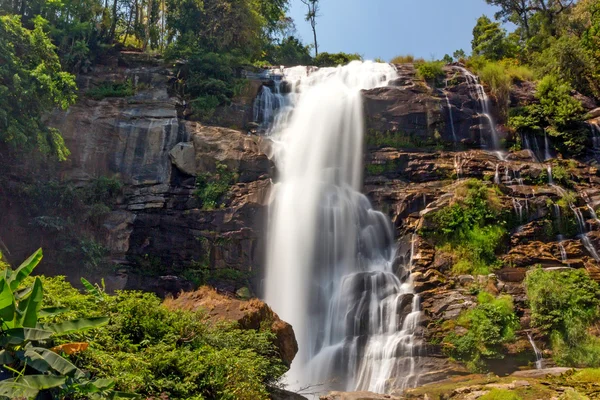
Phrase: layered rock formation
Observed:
(421, 142)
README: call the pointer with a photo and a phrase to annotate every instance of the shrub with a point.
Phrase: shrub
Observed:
(489, 325)
(471, 227)
(112, 89)
(211, 188)
(335, 59)
(407, 59)
(430, 70)
(565, 304)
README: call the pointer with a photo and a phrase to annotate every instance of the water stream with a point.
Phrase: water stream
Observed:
(331, 257)
(539, 361)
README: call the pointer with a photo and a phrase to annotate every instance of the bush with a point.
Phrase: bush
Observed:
(211, 188)
(335, 59)
(565, 304)
(154, 351)
(472, 227)
(489, 325)
(112, 89)
(407, 59)
(430, 70)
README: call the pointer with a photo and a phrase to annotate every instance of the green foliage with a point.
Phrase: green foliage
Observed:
(490, 41)
(212, 188)
(565, 304)
(152, 350)
(407, 59)
(489, 325)
(31, 83)
(430, 70)
(25, 355)
(289, 51)
(112, 89)
(335, 59)
(558, 112)
(500, 394)
(567, 59)
(472, 227)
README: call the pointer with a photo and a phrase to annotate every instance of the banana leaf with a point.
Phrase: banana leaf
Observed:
(28, 386)
(91, 289)
(77, 325)
(52, 311)
(25, 269)
(31, 307)
(53, 362)
(17, 336)
(7, 301)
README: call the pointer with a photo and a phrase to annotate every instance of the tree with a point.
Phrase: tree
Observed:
(520, 11)
(311, 16)
(459, 54)
(31, 83)
(489, 39)
(447, 59)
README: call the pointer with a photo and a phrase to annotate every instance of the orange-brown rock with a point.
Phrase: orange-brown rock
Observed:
(249, 314)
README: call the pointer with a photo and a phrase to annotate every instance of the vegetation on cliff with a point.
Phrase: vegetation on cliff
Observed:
(566, 306)
(485, 329)
(471, 227)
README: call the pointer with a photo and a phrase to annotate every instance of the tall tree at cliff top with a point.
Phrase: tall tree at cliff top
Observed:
(31, 83)
(311, 16)
(520, 11)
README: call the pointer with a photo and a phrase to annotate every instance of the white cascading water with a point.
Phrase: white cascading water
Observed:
(478, 92)
(330, 261)
(539, 360)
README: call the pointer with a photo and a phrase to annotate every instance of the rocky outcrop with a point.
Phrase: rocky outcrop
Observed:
(250, 314)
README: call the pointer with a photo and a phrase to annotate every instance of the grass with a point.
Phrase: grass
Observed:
(406, 59)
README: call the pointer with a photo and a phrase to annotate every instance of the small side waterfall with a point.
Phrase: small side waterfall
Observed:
(331, 262)
(484, 102)
(539, 360)
(451, 119)
(595, 131)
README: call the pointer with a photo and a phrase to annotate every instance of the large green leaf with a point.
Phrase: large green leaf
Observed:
(93, 290)
(6, 357)
(7, 301)
(28, 386)
(25, 269)
(54, 362)
(52, 311)
(12, 390)
(32, 305)
(17, 336)
(34, 360)
(77, 325)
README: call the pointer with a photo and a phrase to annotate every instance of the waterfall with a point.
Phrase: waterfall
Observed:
(497, 175)
(484, 103)
(539, 361)
(595, 130)
(266, 105)
(451, 116)
(547, 154)
(331, 269)
(549, 171)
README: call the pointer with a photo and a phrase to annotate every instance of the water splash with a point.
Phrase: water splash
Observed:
(330, 262)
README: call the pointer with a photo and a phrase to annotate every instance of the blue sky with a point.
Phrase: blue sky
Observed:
(386, 28)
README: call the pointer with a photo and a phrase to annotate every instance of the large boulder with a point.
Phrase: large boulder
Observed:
(249, 314)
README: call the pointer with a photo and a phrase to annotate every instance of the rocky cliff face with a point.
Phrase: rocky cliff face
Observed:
(421, 142)
(414, 163)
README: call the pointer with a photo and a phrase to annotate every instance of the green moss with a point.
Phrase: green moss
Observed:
(500, 394)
